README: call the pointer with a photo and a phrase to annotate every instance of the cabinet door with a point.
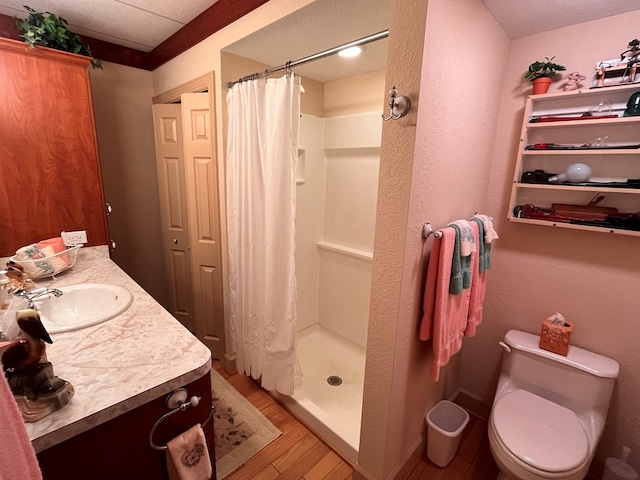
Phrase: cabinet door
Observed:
(119, 449)
(51, 178)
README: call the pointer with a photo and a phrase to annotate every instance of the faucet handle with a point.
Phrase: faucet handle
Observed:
(28, 293)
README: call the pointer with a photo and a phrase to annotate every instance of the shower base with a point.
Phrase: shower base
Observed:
(332, 411)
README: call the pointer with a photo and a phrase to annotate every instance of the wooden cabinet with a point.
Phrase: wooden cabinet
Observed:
(120, 448)
(49, 165)
(551, 142)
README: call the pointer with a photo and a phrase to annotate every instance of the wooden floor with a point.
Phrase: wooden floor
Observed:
(296, 454)
(472, 462)
(299, 454)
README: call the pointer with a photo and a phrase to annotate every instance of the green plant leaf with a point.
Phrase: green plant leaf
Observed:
(49, 30)
(540, 69)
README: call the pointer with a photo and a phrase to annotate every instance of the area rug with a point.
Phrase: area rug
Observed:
(241, 430)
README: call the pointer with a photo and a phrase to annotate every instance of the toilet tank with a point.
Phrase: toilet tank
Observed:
(582, 381)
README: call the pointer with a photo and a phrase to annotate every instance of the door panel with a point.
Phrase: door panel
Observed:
(173, 211)
(203, 208)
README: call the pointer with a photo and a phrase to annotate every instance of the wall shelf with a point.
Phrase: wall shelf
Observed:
(588, 228)
(611, 163)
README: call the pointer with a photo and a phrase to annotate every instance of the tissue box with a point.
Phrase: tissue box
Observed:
(556, 338)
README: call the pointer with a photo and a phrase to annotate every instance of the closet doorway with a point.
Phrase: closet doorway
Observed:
(189, 204)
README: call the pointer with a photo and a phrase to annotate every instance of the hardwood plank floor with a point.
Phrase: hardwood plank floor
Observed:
(298, 454)
(473, 460)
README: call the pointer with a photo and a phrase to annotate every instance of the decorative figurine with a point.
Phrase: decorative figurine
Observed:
(37, 391)
(17, 277)
(625, 67)
(632, 54)
(573, 79)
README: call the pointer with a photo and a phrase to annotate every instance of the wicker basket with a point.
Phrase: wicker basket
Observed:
(51, 265)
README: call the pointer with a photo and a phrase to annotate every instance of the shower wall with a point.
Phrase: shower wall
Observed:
(335, 216)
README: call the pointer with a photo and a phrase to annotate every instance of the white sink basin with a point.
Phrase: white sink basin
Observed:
(82, 305)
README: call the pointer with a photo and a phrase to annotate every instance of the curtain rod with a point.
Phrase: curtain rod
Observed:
(311, 58)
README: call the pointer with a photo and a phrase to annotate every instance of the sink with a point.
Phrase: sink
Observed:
(81, 306)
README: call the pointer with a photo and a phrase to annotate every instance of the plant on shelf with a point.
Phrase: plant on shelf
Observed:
(541, 74)
(50, 30)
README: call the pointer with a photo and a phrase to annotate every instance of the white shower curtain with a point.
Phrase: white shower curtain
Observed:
(262, 150)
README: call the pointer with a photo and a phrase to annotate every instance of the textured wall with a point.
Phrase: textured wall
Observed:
(445, 178)
(363, 93)
(389, 432)
(592, 278)
(124, 122)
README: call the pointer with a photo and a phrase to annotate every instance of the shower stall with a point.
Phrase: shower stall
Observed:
(336, 197)
(337, 181)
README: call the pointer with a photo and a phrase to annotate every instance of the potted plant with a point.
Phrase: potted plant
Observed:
(541, 74)
(50, 30)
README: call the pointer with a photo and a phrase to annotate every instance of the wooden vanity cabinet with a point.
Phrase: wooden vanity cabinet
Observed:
(120, 449)
(49, 164)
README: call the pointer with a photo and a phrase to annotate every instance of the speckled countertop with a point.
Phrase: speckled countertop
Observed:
(120, 364)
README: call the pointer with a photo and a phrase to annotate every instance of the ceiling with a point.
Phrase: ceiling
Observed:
(138, 24)
(320, 26)
(519, 18)
(144, 24)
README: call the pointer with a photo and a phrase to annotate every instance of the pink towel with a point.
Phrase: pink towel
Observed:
(450, 311)
(17, 457)
(429, 303)
(478, 289)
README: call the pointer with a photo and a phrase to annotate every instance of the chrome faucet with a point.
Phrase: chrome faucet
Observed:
(30, 296)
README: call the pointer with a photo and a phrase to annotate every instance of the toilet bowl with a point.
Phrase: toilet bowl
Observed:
(549, 410)
(536, 438)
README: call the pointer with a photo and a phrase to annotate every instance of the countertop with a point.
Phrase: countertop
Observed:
(120, 364)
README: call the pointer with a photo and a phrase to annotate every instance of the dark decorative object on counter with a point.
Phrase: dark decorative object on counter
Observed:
(38, 392)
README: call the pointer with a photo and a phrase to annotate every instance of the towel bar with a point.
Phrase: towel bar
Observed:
(193, 402)
(427, 230)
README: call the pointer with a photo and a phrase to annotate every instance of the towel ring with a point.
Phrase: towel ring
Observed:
(182, 406)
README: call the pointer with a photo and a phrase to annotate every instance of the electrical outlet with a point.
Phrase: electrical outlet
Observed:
(74, 238)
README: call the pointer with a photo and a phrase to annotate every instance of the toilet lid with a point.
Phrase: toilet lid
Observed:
(541, 433)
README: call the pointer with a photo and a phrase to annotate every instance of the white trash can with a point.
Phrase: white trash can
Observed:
(446, 421)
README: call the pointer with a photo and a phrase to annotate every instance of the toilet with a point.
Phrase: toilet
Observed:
(549, 411)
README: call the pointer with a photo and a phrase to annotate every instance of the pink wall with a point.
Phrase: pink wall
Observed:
(455, 121)
(592, 278)
(468, 121)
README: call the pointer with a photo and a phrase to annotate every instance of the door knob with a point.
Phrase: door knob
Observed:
(175, 240)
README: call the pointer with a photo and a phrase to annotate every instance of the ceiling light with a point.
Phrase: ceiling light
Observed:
(350, 52)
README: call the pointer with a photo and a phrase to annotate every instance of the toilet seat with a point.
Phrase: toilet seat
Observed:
(540, 433)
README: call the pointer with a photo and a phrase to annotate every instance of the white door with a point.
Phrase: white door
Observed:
(204, 219)
(173, 210)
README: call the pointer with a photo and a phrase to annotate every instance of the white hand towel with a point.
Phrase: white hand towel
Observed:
(188, 457)
(489, 232)
(467, 239)
(34, 262)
